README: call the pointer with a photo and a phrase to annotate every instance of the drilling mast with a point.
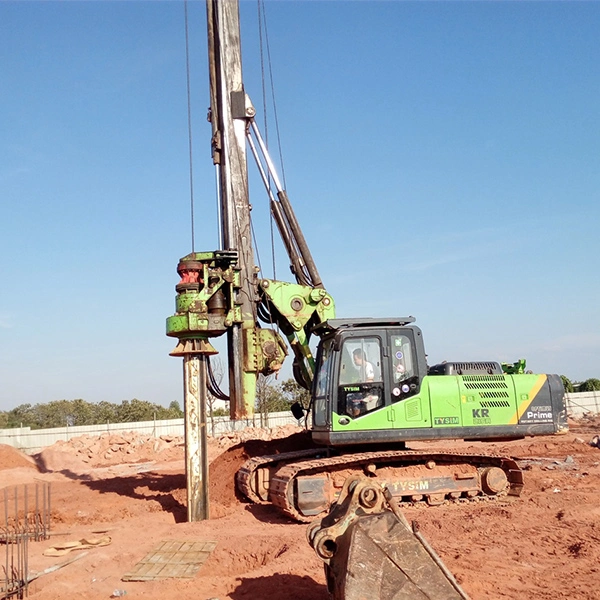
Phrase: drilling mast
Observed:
(219, 291)
(229, 110)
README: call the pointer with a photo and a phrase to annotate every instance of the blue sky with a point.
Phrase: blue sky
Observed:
(442, 158)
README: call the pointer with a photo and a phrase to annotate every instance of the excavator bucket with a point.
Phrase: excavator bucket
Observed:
(372, 553)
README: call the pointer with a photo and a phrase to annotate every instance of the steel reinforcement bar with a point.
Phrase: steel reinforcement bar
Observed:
(24, 516)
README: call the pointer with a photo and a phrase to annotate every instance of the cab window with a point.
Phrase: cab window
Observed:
(360, 384)
(322, 380)
(404, 376)
(321, 384)
(361, 360)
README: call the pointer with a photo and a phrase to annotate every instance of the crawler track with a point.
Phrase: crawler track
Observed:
(304, 484)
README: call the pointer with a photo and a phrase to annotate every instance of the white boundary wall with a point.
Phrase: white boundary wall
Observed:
(32, 441)
(581, 403)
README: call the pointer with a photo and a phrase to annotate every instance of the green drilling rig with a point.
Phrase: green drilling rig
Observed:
(371, 388)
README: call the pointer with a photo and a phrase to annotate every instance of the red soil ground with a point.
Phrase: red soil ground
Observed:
(543, 545)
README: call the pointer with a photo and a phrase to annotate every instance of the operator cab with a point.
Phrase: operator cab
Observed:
(364, 365)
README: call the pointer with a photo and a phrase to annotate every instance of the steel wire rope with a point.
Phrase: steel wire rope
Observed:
(212, 384)
(260, 6)
(265, 311)
(265, 308)
(276, 118)
(304, 276)
(189, 115)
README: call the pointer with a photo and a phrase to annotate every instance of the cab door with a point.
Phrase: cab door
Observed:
(409, 399)
(321, 387)
(360, 384)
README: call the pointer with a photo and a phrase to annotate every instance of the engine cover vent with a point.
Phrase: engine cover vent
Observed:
(466, 368)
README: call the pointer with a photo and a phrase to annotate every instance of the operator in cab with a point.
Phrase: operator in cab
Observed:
(365, 368)
(366, 373)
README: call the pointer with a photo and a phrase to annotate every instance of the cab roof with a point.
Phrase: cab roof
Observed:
(333, 324)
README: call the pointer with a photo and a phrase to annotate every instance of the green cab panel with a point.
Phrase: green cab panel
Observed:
(411, 413)
(444, 396)
(376, 420)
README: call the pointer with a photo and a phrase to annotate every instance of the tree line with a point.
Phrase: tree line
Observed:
(270, 397)
(66, 413)
(589, 385)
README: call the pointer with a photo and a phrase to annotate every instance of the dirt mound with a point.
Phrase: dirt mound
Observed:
(587, 423)
(87, 451)
(225, 466)
(11, 458)
(287, 437)
(82, 452)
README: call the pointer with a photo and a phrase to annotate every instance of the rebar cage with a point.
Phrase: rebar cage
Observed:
(24, 516)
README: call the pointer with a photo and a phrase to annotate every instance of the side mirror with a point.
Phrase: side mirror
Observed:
(297, 410)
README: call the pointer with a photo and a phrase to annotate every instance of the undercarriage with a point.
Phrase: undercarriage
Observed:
(306, 483)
